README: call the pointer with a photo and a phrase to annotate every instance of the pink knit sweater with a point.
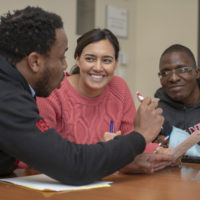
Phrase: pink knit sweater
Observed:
(84, 120)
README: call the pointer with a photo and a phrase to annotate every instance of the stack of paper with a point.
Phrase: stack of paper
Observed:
(180, 150)
(45, 183)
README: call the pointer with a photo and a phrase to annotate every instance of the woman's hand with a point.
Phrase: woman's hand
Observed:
(109, 136)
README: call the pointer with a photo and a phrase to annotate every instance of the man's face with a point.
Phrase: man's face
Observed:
(180, 87)
(53, 66)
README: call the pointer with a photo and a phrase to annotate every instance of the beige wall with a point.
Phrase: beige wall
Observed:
(65, 8)
(160, 23)
(153, 26)
(127, 45)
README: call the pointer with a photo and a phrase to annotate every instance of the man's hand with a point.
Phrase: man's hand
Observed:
(148, 163)
(169, 151)
(148, 120)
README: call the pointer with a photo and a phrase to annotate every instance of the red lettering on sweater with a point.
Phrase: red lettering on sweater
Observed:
(193, 129)
(42, 125)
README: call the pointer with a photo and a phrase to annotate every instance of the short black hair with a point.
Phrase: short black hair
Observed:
(179, 48)
(31, 29)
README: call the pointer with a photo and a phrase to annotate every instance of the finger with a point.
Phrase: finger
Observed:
(149, 170)
(160, 157)
(107, 132)
(147, 101)
(153, 105)
(161, 165)
(159, 110)
(157, 168)
(118, 132)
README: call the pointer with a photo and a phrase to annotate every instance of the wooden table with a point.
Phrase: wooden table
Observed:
(169, 184)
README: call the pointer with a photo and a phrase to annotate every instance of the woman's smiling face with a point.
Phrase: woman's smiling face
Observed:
(97, 64)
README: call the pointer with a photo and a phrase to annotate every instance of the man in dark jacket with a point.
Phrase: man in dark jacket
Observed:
(180, 92)
(32, 63)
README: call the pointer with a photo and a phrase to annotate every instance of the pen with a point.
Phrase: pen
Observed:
(165, 139)
(111, 126)
(139, 97)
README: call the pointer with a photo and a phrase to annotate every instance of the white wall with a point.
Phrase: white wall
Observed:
(153, 26)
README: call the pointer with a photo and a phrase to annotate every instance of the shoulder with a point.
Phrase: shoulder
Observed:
(117, 84)
(9, 95)
(119, 88)
(21, 105)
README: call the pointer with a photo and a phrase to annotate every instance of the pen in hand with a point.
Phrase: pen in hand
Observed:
(111, 126)
(140, 99)
(111, 134)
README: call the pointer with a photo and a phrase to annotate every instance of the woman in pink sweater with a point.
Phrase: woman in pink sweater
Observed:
(92, 96)
(82, 109)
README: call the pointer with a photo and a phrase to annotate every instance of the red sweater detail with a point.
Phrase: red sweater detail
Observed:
(84, 120)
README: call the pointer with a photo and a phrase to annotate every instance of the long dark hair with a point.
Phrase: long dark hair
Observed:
(92, 36)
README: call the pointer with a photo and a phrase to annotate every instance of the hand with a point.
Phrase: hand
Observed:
(163, 150)
(161, 139)
(169, 151)
(148, 120)
(109, 136)
(148, 163)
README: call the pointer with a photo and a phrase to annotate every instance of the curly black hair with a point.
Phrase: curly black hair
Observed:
(28, 30)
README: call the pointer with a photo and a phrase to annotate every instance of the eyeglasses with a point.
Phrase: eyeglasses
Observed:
(178, 71)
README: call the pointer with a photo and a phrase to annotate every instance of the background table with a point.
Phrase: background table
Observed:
(169, 184)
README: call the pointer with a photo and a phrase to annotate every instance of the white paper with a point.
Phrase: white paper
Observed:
(45, 183)
(178, 136)
(186, 144)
